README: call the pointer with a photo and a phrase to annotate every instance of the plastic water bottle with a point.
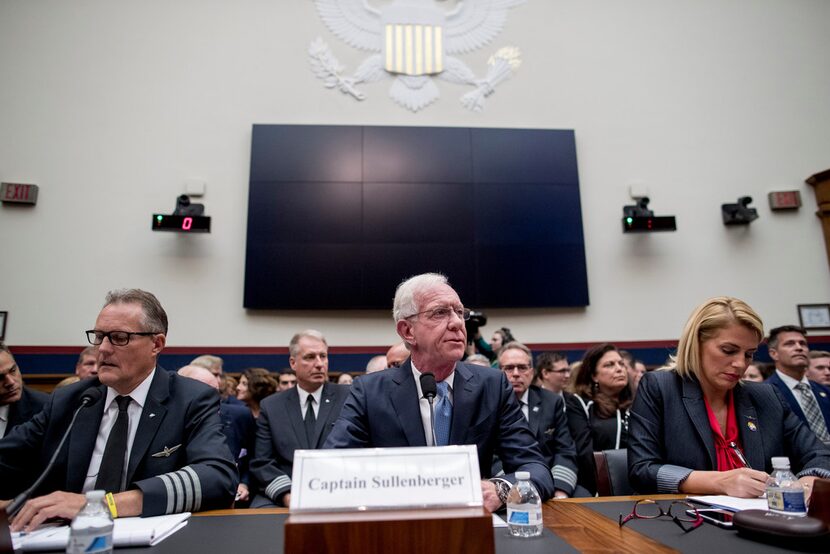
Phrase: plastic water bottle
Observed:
(91, 530)
(524, 507)
(785, 495)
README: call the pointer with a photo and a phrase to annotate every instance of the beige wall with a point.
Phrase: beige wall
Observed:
(110, 106)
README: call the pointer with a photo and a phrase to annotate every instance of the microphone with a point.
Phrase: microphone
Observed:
(90, 396)
(430, 389)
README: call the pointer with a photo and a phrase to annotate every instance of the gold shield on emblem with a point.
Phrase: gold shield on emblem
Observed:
(414, 49)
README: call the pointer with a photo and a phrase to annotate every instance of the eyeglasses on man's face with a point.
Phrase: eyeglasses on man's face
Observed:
(521, 368)
(116, 338)
(649, 509)
(443, 313)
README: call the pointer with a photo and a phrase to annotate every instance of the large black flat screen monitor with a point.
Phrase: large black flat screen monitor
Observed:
(339, 215)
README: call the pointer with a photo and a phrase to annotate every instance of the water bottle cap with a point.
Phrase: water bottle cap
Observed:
(780, 462)
(95, 496)
(522, 475)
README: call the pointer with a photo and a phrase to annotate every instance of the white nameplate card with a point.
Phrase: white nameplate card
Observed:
(385, 478)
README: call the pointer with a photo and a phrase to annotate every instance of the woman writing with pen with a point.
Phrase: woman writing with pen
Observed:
(696, 428)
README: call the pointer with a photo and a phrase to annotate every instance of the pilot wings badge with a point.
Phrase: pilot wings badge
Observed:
(413, 41)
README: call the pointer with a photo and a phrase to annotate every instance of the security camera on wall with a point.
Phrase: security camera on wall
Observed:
(739, 213)
(187, 217)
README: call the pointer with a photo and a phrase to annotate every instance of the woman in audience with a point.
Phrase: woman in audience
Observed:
(696, 428)
(254, 385)
(345, 379)
(597, 409)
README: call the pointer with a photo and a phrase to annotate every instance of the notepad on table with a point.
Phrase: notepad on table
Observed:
(127, 531)
(731, 503)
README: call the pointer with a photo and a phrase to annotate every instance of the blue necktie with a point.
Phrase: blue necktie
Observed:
(443, 415)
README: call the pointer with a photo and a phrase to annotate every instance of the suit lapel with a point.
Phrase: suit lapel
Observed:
(534, 410)
(465, 393)
(295, 416)
(151, 418)
(82, 441)
(823, 400)
(696, 410)
(323, 414)
(748, 428)
(403, 394)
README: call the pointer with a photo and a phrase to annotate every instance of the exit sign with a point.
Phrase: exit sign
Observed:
(18, 193)
(784, 200)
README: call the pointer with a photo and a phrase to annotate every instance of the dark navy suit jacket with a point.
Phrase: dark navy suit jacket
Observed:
(239, 428)
(821, 393)
(547, 421)
(670, 434)
(178, 459)
(383, 411)
(281, 431)
(30, 403)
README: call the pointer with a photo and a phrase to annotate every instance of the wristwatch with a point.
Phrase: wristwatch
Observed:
(502, 489)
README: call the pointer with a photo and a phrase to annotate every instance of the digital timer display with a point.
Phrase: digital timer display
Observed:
(181, 223)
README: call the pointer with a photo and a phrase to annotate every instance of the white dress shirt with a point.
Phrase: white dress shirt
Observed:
(317, 395)
(139, 398)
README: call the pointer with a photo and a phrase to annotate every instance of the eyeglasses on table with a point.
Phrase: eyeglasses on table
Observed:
(649, 509)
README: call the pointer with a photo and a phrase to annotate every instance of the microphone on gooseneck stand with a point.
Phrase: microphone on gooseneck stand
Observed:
(429, 390)
(91, 396)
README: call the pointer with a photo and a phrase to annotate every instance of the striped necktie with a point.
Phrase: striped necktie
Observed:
(443, 415)
(811, 410)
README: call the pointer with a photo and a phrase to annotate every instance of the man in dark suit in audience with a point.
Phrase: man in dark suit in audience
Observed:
(297, 419)
(287, 379)
(151, 438)
(545, 413)
(238, 426)
(474, 405)
(810, 401)
(18, 403)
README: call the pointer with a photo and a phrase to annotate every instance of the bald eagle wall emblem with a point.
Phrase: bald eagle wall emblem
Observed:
(414, 41)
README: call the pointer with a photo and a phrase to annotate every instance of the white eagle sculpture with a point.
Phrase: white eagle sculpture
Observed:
(414, 41)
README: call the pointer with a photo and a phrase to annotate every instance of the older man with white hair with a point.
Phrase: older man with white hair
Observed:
(474, 405)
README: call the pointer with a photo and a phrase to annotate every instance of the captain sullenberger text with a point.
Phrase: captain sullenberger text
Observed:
(393, 482)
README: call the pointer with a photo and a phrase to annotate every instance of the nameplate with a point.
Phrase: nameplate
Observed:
(385, 478)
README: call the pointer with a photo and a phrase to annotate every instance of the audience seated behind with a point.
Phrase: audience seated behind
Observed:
(552, 372)
(18, 403)
(788, 349)
(299, 418)
(819, 370)
(597, 408)
(696, 429)
(238, 427)
(255, 384)
(545, 414)
(286, 379)
(87, 364)
(215, 364)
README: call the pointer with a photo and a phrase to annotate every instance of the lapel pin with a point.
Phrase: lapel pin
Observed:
(535, 408)
(166, 452)
(151, 416)
(327, 400)
(751, 425)
(823, 394)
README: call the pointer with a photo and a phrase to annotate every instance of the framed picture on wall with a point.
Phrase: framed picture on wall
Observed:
(3, 317)
(814, 316)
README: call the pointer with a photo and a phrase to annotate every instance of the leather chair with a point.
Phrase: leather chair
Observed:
(612, 473)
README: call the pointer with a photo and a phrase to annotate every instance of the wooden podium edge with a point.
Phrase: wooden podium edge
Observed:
(438, 531)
